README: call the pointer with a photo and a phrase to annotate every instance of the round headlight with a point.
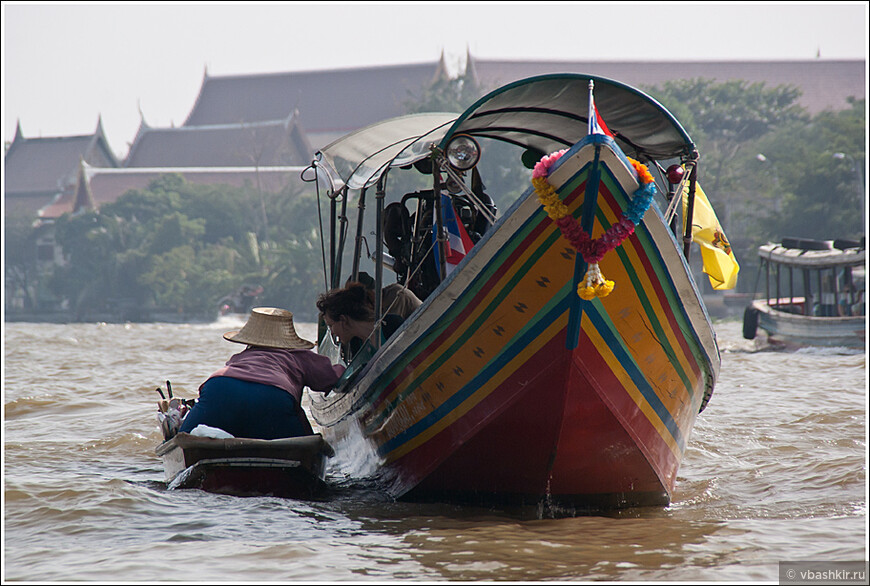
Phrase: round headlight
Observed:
(463, 152)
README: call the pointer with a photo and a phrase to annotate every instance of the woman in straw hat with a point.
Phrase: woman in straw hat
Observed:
(258, 393)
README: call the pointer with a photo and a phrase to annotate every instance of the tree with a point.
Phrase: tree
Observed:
(819, 169)
(19, 262)
(723, 117)
(190, 281)
(291, 269)
(501, 167)
(445, 94)
(174, 230)
(182, 247)
(90, 242)
(728, 121)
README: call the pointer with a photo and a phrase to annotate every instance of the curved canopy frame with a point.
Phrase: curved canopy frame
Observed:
(359, 158)
(544, 113)
(550, 112)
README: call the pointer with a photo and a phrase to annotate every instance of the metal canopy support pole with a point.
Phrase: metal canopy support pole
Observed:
(778, 280)
(821, 292)
(808, 293)
(342, 229)
(357, 247)
(672, 193)
(757, 279)
(379, 251)
(439, 224)
(690, 211)
(850, 287)
(332, 228)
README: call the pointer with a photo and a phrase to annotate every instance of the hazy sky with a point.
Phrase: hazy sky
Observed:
(65, 65)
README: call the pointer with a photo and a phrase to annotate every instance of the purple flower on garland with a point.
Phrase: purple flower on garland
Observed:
(572, 231)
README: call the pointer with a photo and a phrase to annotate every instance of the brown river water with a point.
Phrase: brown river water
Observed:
(775, 471)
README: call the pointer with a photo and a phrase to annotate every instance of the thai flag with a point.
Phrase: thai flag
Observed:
(458, 241)
(596, 123)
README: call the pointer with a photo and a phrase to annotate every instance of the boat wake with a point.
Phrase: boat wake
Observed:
(830, 351)
(230, 321)
(354, 459)
(181, 479)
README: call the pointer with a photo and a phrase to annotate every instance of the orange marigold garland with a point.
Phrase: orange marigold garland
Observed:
(593, 250)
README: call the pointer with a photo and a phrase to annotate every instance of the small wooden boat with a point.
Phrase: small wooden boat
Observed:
(813, 294)
(290, 467)
(521, 379)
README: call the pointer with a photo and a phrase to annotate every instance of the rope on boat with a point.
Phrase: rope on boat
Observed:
(479, 205)
(313, 166)
(671, 211)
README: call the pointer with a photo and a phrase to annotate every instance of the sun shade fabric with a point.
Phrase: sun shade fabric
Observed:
(812, 258)
(550, 112)
(546, 113)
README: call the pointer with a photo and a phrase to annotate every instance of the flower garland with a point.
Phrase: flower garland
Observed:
(593, 250)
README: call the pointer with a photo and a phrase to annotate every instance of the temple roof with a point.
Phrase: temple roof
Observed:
(277, 142)
(45, 165)
(825, 83)
(331, 101)
(242, 120)
(98, 186)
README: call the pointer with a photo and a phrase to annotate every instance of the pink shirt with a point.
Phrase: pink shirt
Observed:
(290, 370)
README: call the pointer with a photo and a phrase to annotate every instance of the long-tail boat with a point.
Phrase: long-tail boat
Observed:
(813, 294)
(562, 351)
(291, 467)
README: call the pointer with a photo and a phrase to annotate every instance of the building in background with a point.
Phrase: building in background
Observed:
(272, 143)
(825, 84)
(330, 103)
(41, 170)
(259, 129)
(281, 119)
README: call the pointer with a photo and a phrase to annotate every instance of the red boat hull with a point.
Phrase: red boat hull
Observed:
(507, 386)
(597, 463)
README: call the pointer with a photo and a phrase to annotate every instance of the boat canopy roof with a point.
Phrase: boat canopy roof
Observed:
(812, 259)
(544, 113)
(359, 158)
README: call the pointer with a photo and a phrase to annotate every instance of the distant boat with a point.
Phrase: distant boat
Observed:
(522, 378)
(240, 301)
(813, 294)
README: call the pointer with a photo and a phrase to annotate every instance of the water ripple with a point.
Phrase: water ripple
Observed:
(775, 470)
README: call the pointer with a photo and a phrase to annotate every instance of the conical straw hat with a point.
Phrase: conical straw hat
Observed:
(270, 327)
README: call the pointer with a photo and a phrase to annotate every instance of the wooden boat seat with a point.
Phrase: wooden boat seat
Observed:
(304, 444)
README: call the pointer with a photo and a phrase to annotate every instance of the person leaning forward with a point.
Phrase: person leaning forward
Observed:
(396, 299)
(349, 314)
(258, 393)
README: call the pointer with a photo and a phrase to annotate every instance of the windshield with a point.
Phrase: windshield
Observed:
(360, 157)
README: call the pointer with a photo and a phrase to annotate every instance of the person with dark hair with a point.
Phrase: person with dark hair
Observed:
(350, 315)
(258, 393)
(395, 298)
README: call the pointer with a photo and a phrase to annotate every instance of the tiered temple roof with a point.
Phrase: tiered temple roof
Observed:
(96, 186)
(38, 170)
(257, 120)
(270, 143)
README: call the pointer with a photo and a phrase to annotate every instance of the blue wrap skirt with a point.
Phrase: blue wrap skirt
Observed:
(247, 409)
